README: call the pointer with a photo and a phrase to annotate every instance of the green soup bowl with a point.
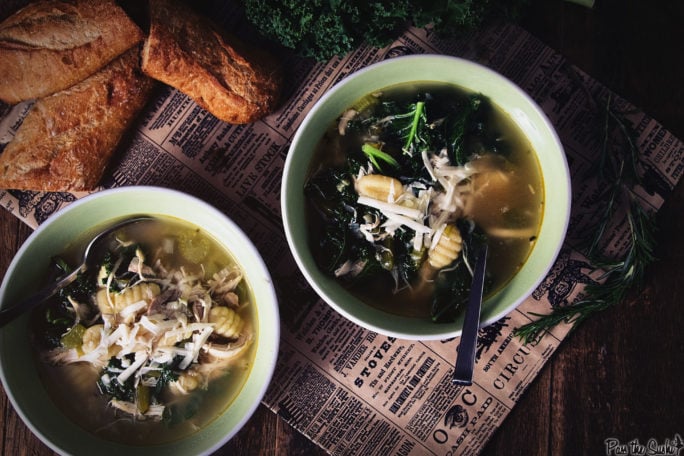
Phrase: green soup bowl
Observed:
(472, 77)
(18, 369)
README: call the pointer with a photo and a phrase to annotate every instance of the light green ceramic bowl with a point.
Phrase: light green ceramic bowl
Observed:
(474, 77)
(18, 372)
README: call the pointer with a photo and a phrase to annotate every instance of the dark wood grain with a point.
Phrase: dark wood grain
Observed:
(619, 374)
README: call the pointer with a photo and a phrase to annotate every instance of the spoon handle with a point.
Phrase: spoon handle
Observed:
(10, 313)
(465, 359)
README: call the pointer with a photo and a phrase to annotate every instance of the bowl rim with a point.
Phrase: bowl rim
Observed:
(383, 322)
(268, 321)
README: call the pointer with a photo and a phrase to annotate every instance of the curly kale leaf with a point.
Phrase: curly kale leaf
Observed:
(331, 193)
(80, 289)
(323, 29)
(55, 317)
(452, 16)
(430, 122)
(122, 391)
(407, 260)
(109, 384)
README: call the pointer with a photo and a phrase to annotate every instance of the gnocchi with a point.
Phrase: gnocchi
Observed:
(139, 327)
(379, 187)
(187, 382)
(227, 322)
(447, 248)
(92, 338)
(113, 303)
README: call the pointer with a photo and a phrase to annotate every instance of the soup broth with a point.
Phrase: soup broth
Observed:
(397, 168)
(196, 358)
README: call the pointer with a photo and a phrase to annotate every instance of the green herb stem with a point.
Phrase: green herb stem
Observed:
(618, 171)
(373, 154)
(414, 126)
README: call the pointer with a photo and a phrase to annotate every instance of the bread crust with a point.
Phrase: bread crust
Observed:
(235, 82)
(68, 138)
(51, 45)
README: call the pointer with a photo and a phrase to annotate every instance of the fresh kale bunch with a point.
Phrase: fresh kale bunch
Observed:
(322, 29)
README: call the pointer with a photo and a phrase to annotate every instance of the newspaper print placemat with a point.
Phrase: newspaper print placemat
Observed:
(350, 390)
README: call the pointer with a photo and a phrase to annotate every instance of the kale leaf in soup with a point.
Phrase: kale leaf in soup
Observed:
(153, 344)
(406, 182)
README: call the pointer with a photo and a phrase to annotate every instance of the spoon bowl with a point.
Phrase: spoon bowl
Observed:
(9, 314)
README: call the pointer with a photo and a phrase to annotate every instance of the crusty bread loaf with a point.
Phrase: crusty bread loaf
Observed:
(51, 45)
(235, 82)
(68, 138)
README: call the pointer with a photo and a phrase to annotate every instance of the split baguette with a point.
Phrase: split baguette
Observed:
(51, 45)
(67, 139)
(235, 82)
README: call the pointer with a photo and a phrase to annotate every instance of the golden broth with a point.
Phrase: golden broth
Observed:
(509, 214)
(74, 389)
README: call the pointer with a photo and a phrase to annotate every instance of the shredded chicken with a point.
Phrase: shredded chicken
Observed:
(163, 318)
(431, 210)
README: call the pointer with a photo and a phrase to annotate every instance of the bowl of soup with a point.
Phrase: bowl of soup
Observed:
(165, 343)
(399, 175)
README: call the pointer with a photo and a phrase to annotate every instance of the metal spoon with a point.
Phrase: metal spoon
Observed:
(10, 313)
(465, 359)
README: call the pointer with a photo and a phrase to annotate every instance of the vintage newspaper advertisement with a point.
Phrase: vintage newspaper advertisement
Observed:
(350, 390)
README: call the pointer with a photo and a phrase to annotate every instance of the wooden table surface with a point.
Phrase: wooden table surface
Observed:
(619, 375)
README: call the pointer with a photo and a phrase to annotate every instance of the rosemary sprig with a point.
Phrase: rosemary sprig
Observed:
(618, 173)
